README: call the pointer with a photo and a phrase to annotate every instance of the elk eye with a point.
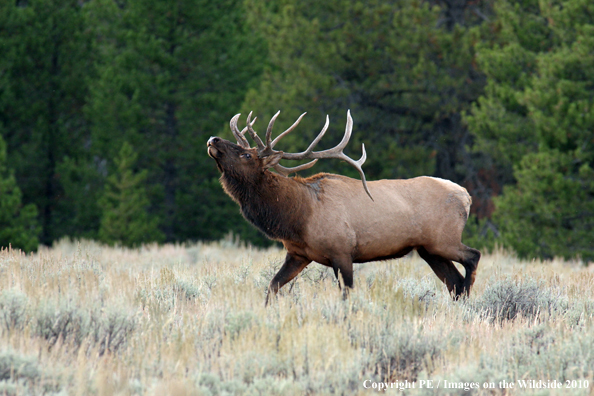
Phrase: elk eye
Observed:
(246, 155)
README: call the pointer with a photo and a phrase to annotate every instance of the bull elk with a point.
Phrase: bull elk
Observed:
(330, 219)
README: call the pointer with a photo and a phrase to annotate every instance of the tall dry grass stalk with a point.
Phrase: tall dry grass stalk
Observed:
(82, 319)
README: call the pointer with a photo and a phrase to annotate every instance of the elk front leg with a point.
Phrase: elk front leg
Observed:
(293, 265)
(343, 268)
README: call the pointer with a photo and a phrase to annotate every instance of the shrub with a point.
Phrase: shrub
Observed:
(166, 294)
(188, 290)
(55, 322)
(423, 291)
(235, 323)
(14, 366)
(108, 329)
(508, 298)
(25, 375)
(405, 353)
(13, 310)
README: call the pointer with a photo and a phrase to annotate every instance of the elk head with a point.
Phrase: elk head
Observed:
(246, 163)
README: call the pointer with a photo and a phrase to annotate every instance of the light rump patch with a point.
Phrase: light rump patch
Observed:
(330, 219)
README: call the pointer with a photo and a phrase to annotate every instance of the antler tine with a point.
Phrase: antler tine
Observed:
(269, 130)
(357, 165)
(363, 156)
(347, 132)
(253, 133)
(320, 135)
(279, 137)
(306, 153)
(267, 149)
(287, 171)
(241, 140)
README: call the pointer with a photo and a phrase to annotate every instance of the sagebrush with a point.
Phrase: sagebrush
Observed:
(82, 318)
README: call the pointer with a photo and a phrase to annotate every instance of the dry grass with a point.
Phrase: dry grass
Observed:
(83, 319)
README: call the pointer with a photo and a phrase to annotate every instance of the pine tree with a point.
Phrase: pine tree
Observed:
(124, 203)
(537, 118)
(18, 222)
(170, 76)
(405, 77)
(45, 67)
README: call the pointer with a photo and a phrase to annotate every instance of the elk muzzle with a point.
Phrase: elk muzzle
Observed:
(211, 149)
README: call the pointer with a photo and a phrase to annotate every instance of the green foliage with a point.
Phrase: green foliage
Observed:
(170, 74)
(18, 222)
(82, 181)
(536, 120)
(46, 64)
(555, 188)
(550, 212)
(124, 203)
(79, 79)
(405, 79)
(481, 234)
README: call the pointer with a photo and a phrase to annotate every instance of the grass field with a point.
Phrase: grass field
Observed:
(81, 319)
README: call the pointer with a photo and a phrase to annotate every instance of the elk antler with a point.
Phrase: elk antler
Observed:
(268, 148)
(336, 152)
(240, 136)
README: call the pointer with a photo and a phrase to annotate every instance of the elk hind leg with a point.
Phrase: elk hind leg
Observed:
(469, 259)
(292, 266)
(445, 270)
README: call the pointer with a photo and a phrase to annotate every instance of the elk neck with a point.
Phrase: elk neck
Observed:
(278, 206)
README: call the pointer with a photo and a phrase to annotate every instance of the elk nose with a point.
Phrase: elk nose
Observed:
(212, 140)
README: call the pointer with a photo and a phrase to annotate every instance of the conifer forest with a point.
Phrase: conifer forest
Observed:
(106, 107)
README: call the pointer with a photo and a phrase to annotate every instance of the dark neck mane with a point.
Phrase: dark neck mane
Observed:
(278, 206)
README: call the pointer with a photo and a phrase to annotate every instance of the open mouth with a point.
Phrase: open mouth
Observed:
(212, 151)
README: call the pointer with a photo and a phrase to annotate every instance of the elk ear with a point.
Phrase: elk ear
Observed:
(272, 160)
